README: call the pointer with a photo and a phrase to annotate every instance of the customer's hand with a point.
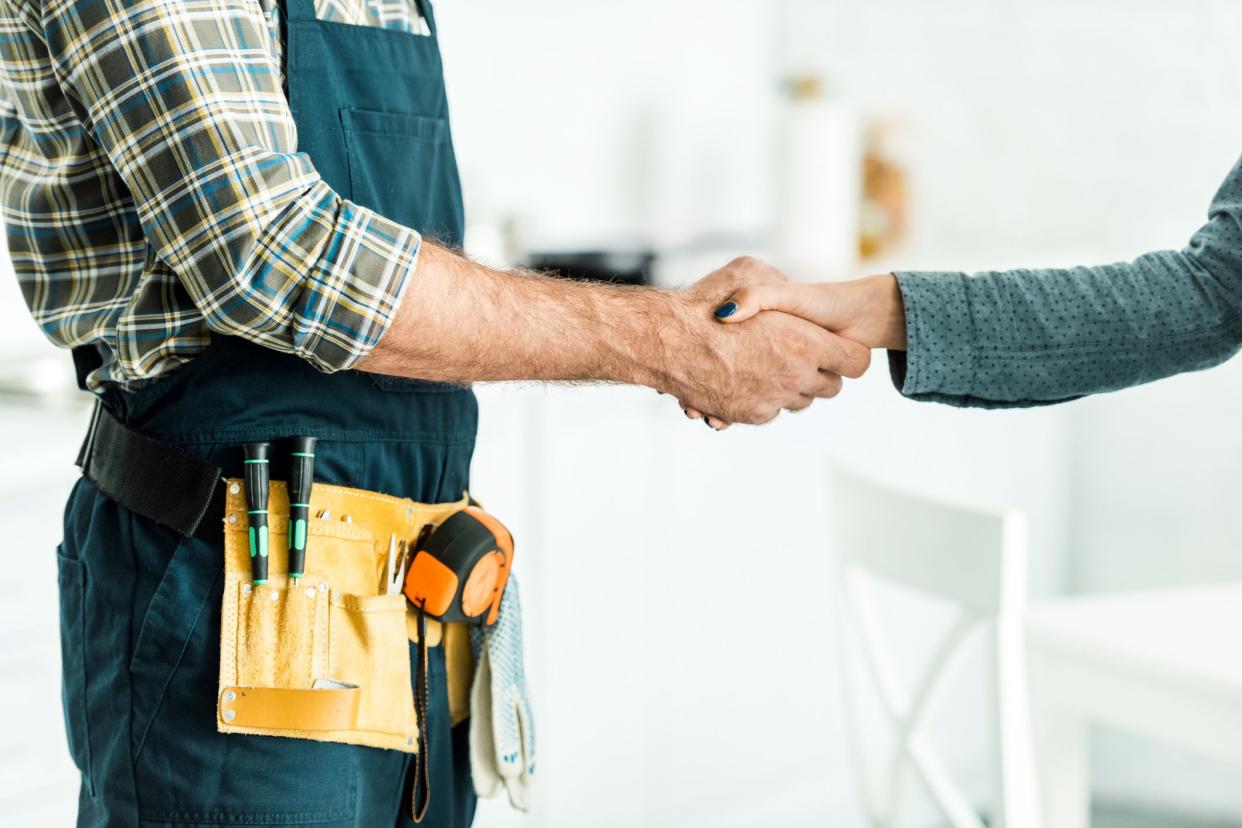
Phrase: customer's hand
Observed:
(749, 373)
(868, 311)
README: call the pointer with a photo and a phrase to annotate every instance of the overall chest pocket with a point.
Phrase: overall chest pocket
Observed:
(403, 167)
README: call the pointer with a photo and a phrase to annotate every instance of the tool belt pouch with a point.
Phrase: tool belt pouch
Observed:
(327, 659)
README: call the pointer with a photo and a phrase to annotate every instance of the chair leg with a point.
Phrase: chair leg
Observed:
(1018, 797)
(1064, 769)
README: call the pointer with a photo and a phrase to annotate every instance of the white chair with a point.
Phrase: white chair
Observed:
(976, 561)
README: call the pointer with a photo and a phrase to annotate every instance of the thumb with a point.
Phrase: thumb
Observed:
(748, 301)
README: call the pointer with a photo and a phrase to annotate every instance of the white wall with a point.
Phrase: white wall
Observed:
(1098, 127)
(1060, 132)
(1072, 131)
(599, 122)
(645, 695)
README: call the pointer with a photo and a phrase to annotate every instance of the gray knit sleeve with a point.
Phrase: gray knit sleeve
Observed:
(1034, 337)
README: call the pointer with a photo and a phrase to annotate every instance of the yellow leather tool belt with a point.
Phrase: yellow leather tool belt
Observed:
(328, 659)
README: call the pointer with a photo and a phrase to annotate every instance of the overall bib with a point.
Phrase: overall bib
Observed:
(141, 605)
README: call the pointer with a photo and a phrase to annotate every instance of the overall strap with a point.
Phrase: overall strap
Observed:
(305, 10)
(300, 9)
(424, 8)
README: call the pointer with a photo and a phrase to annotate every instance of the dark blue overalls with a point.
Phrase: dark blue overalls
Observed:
(140, 604)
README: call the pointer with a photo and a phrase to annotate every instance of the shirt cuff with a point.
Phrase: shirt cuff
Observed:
(940, 358)
(361, 283)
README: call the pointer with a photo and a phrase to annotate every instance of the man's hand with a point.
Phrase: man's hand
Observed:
(462, 322)
(748, 374)
(867, 311)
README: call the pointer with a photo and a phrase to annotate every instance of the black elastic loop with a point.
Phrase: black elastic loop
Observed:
(153, 479)
(86, 359)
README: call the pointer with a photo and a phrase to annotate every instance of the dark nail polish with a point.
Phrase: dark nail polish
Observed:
(726, 310)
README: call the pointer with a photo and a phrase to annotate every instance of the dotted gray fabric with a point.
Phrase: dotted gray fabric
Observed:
(1020, 338)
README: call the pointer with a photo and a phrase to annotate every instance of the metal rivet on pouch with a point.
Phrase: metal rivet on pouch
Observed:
(409, 741)
(229, 715)
(310, 592)
(230, 696)
(234, 488)
(323, 587)
(275, 595)
(246, 589)
(232, 520)
(409, 511)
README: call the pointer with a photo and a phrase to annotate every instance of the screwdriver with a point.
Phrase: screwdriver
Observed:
(301, 479)
(256, 508)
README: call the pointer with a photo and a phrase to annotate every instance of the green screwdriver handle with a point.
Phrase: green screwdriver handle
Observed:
(256, 508)
(301, 479)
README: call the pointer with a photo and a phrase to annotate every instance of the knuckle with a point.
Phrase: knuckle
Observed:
(758, 414)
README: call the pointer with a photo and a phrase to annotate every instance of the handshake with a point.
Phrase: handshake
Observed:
(758, 344)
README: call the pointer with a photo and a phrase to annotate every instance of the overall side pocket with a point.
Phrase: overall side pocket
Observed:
(71, 577)
(176, 609)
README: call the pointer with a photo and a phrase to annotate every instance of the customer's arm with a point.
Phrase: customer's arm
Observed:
(1035, 337)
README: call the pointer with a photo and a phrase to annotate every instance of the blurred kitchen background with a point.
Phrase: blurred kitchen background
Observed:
(671, 135)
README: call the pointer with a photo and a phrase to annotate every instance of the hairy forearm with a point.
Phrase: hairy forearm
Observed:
(463, 322)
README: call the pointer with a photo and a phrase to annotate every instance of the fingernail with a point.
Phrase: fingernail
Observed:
(687, 413)
(726, 310)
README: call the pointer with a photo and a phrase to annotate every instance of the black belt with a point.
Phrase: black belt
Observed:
(152, 478)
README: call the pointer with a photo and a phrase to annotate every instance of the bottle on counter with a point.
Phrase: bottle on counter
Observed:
(818, 183)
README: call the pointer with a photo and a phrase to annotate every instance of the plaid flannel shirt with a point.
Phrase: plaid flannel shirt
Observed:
(153, 193)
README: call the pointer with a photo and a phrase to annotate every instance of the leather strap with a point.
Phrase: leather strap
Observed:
(420, 790)
(274, 708)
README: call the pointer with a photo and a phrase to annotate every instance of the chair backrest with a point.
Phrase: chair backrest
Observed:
(975, 561)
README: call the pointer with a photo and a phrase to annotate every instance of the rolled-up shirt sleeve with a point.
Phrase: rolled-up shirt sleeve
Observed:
(1035, 337)
(186, 100)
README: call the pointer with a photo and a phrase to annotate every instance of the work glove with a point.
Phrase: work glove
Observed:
(502, 728)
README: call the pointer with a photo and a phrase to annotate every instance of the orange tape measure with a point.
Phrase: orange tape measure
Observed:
(461, 567)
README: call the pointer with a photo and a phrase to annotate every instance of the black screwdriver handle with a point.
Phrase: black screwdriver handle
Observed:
(301, 480)
(257, 479)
